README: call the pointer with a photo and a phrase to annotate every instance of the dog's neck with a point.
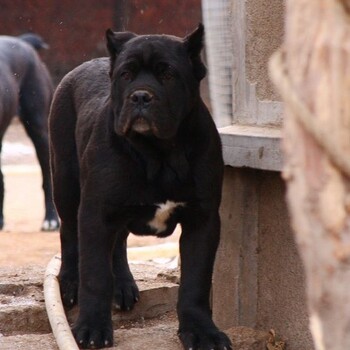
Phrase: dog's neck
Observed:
(158, 154)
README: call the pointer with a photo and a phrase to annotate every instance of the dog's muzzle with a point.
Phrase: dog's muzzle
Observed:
(141, 100)
(141, 125)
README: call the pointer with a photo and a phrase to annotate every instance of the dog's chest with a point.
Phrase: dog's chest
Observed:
(158, 219)
(164, 212)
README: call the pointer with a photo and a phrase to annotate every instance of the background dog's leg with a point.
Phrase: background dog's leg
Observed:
(36, 129)
(198, 245)
(34, 101)
(126, 292)
(2, 193)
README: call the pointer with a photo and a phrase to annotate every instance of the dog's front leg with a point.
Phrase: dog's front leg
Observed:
(126, 292)
(93, 328)
(198, 245)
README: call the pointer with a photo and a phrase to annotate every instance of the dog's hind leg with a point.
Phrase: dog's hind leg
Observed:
(8, 108)
(37, 131)
(65, 175)
(34, 103)
(66, 194)
(126, 292)
(2, 193)
(66, 191)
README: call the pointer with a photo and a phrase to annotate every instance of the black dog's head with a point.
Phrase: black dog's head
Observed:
(155, 81)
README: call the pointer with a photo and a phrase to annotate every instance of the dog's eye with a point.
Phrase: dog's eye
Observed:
(166, 72)
(167, 75)
(126, 75)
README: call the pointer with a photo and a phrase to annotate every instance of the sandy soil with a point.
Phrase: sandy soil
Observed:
(21, 242)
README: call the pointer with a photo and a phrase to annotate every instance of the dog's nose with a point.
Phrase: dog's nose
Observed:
(141, 97)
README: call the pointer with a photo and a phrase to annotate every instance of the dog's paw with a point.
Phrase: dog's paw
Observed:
(126, 294)
(212, 340)
(88, 337)
(69, 292)
(50, 225)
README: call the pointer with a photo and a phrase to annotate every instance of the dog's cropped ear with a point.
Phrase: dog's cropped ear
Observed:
(194, 44)
(115, 42)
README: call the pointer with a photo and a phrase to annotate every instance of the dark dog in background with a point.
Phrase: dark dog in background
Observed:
(26, 90)
(34, 40)
(134, 149)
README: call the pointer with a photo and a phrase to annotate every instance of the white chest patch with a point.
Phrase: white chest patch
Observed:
(162, 214)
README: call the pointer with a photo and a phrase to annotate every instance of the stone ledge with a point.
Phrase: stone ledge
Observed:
(152, 325)
(252, 147)
(22, 307)
(153, 334)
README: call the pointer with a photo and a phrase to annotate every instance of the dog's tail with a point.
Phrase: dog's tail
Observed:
(34, 40)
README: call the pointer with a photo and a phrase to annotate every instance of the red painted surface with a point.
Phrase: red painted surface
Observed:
(164, 16)
(75, 29)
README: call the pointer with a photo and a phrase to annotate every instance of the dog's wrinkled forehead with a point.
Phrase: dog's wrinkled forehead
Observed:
(148, 49)
(183, 54)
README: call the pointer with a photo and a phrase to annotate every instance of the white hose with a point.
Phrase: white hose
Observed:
(54, 307)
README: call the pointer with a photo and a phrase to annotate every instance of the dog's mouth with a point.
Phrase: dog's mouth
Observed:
(141, 126)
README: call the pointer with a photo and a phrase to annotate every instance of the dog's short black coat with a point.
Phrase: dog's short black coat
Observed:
(26, 90)
(134, 149)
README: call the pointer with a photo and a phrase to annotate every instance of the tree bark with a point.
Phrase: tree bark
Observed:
(313, 76)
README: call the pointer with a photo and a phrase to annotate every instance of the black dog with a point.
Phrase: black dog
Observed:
(137, 152)
(26, 91)
(34, 40)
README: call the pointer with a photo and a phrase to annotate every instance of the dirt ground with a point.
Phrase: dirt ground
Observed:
(21, 242)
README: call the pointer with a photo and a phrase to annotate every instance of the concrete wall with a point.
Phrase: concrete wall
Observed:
(259, 278)
(257, 30)
(264, 20)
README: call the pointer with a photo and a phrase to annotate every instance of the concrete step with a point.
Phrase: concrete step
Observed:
(159, 333)
(143, 334)
(151, 325)
(22, 308)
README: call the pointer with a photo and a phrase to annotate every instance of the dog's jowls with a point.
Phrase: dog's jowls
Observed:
(134, 149)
